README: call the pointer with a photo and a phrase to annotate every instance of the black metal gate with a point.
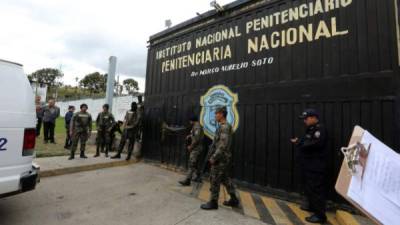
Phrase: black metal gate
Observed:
(351, 79)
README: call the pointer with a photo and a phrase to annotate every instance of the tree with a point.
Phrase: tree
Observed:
(131, 85)
(48, 76)
(94, 82)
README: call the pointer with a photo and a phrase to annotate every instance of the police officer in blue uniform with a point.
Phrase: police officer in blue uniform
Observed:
(313, 162)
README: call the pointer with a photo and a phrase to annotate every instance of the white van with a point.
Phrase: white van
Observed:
(18, 173)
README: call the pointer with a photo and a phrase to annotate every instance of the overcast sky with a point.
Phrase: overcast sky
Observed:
(78, 36)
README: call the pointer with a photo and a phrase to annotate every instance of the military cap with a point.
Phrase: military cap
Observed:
(222, 110)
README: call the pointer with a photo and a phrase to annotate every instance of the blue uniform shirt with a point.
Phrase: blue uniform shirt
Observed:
(68, 117)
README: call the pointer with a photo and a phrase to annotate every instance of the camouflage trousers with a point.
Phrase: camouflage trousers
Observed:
(80, 136)
(193, 163)
(103, 139)
(219, 174)
(128, 134)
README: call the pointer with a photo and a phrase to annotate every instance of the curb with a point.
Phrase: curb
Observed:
(77, 169)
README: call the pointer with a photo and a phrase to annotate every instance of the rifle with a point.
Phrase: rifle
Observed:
(188, 142)
(210, 152)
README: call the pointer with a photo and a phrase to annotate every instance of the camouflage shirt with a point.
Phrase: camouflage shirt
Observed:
(81, 122)
(197, 135)
(222, 142)
(131, 119)
(105, 120)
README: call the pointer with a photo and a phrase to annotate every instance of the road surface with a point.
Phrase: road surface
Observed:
(136, 194)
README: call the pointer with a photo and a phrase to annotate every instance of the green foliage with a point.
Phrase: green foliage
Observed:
(131, 85)
(48, 76)
(94, 82)
(67, 93)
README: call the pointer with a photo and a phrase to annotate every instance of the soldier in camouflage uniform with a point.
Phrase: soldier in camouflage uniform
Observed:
(195, 148)
(80, 130)
(131, 123)
(104, 123)
(221, 163)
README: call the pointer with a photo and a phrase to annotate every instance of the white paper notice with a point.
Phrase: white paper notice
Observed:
(378, 190)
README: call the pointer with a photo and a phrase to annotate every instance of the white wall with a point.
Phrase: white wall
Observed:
(120, 106)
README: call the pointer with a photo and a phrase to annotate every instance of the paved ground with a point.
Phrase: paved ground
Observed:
(136, 194)
(60, 162)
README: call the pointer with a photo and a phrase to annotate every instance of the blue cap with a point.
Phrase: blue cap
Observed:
(308, 113)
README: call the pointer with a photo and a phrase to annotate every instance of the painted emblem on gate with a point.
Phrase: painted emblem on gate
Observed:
(216, 97)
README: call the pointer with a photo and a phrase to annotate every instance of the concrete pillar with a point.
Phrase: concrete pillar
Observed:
(112, 66)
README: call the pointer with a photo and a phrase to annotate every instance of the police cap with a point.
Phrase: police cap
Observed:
(309, 113)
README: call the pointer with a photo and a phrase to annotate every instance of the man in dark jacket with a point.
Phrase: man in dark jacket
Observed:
(313, 161)
(50, 113)
(68, 117)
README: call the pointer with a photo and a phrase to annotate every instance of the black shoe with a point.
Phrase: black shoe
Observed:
(211, 205)
(128, 157)
(117, 156)
(97, 155)
(83, 157)
(233, 202)
(316, 219)
(71, 158)
(185, 182)
(306, 207)
(197, 179)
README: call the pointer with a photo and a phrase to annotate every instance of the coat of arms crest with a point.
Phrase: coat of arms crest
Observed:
(218, 96)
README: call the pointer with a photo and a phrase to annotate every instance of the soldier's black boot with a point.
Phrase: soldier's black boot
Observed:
(117, 156)
(197, 178)
(97, 152)
(210, 205)
(72, 156)
(83, 156)
(233, 202)
(107, 150)
(305, 206)
(128, 157)
(185, 182)
(316, 219)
